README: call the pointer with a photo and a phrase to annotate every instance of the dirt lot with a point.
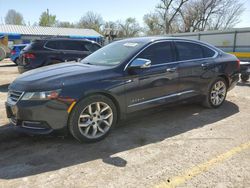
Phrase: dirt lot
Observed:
(183, 146)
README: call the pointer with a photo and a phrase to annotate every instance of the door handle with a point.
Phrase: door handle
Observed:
(205, 65)
(171, 69)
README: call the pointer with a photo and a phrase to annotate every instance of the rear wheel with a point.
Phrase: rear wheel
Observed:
(216, 94)
(92, 118)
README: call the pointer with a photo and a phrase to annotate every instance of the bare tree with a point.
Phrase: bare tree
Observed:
(91, 20)
(129, 28)
(228, 15)
(153, 26)
(14, 17)
(201, 15)
(168, 10)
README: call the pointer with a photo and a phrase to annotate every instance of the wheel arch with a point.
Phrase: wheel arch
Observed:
(108, 95)
(225, 78)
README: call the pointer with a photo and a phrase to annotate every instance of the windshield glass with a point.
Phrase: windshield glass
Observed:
(113, 54)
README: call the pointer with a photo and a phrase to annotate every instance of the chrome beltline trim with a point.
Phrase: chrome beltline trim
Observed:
(174, 62)
(160, 98)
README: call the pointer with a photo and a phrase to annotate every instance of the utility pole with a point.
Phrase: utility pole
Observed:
(48, 17)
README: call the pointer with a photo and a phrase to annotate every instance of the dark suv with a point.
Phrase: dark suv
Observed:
(55, 50)
(88, 98)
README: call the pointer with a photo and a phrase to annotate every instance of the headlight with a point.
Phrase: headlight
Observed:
(43, 95)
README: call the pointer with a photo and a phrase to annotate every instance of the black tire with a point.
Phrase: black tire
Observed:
(78, 109)
(208, 99)
(16, 61)
(244, 77)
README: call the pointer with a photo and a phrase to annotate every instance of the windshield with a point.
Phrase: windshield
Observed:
(113, 54)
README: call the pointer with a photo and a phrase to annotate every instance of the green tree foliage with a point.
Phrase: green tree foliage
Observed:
(47, 19)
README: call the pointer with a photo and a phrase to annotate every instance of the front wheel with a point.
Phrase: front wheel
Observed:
(244, 77)
(216, 94)
(92, 118)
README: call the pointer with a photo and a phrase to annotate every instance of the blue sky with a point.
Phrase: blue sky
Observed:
(72, 10)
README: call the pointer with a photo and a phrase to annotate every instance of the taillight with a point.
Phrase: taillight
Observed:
(13, 52)
(29, 56)
(238, 64)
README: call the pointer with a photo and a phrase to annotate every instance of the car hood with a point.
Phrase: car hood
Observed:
(53, 77)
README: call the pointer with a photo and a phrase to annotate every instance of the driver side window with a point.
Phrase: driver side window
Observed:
(158, 53)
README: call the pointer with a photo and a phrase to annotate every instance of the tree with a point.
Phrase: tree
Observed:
(47, 19)
(129, 28)
(153, 26)
(91, 20)
(65, 24)
(14, 17)
(167, 11)
(201, 15)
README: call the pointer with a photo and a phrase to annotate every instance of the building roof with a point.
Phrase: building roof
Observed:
(47, 31)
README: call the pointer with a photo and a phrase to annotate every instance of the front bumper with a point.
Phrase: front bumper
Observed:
(38, 117)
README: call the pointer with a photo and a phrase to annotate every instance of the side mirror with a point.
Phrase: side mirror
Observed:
(140, 63)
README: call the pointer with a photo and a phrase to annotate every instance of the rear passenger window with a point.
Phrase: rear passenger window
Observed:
(208, 52)
(51, 44)
(188, 51)
(158, 53)
(71, 45)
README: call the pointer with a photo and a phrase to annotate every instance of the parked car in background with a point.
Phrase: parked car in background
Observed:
(88, 98)
(245, 71)
(15, 52)
(53, 51)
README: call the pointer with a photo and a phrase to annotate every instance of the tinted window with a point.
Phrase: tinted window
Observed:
(91, 47)
(52, 44)
(208, 52)
(187, 51)
(36, 45)
(158, 53)
(72, 45)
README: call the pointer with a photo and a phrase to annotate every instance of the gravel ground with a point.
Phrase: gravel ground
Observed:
(149, 150)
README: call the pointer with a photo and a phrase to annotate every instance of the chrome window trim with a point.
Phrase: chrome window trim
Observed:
(174, 62)
(160, 98)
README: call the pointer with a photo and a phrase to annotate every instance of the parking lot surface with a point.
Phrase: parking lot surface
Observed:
(177, 146)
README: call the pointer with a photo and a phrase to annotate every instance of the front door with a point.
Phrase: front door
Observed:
(157, 84)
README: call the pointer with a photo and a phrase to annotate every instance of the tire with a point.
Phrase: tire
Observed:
(211, 100)
(16, 61)
(244, 77)
(95, 126)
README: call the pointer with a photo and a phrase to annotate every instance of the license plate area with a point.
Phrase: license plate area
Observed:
(11, 113)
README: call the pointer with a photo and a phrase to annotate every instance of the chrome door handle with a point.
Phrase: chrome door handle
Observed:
(205, 65)
(171, 69)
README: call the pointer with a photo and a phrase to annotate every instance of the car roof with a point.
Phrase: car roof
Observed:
(162, 38)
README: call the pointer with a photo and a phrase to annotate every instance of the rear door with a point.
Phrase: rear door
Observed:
(157, 84)
(73, 50)
(196, 65)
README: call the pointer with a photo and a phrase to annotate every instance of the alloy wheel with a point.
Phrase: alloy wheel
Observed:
(218, 93)
(95, 120)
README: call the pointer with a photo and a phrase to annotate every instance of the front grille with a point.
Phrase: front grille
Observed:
(14, 96)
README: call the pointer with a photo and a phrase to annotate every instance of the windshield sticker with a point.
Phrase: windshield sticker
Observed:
(131, 44)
